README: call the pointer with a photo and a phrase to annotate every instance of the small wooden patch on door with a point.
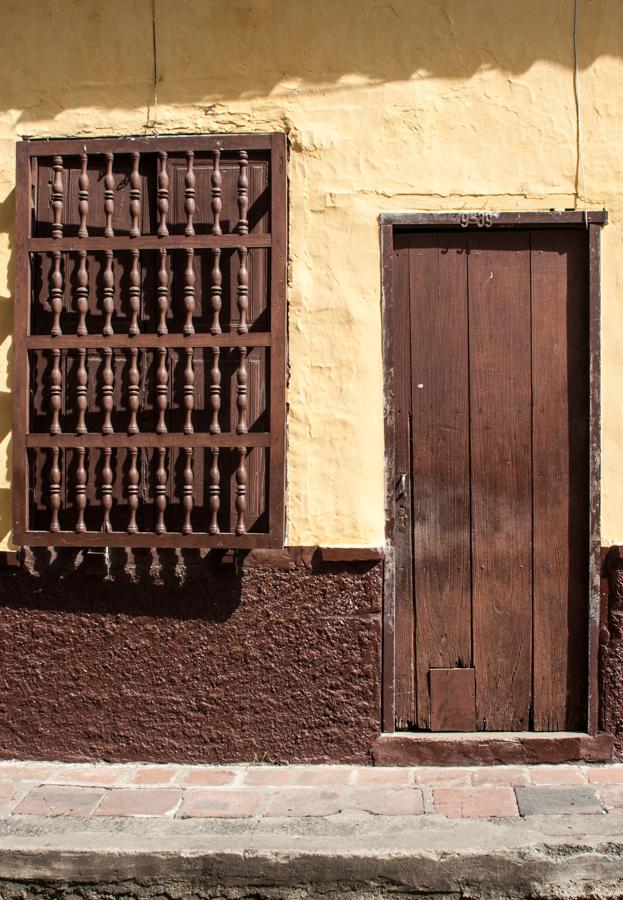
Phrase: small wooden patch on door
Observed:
(452, 699)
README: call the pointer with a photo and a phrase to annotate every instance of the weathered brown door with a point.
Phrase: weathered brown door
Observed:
(491, 383)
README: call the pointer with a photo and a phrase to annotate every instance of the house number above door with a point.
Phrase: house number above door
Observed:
(481, 220)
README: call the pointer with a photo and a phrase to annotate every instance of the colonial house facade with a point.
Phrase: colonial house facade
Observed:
(309, 381)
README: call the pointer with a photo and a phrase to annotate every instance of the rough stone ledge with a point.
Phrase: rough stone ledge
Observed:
(232, 866)
(492, 748)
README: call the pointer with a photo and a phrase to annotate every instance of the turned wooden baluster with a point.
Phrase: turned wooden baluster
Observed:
(241, 490)
(187, 492)
(109, 195)
(55, 491)
(189, 292)
(217, 202)
(163, 293)
(58, 191)
(83, 196)
(107, 489)
(56, 380)
(135, 293)
(81, 490)
(109, 294)
(135, 196)
(163, 196)
(189, 194)
(242, 400)
(243, 291)
(82, 294)
(81, 392)
(162, 379)
(133, 491)
(133, 391)
(214, 492)
(243, 192)
(161, 491)
(56, 294)
(189, 391)
(107, 391)
(216, 291)
(215, 391)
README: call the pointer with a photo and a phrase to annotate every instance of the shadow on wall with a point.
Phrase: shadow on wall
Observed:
(190, 584)
(64, 55)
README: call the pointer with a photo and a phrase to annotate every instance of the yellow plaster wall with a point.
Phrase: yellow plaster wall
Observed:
(397, 106)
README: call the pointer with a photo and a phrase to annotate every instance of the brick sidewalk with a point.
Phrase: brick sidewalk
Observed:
(191, 792)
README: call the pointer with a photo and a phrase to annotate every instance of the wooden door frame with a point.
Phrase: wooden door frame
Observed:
(592, 222)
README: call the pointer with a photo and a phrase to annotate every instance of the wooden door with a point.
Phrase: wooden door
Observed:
(491, 400)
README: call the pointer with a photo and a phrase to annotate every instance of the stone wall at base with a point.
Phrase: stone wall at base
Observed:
(190, 658)
(611, 647)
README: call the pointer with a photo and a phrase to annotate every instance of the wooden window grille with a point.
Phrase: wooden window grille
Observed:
(150, 342)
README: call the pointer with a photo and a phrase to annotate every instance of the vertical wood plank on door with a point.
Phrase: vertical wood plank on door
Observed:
(440, 432)
(500, 403)
(405, 690)
(560, 462)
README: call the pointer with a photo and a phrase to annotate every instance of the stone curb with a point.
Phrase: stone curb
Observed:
(231, 864)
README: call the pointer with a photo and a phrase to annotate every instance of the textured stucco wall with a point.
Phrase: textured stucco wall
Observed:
(404, 105)
(196, 664)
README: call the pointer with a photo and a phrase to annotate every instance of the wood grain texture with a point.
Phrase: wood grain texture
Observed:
(440, 437)
(533, 329)
(452, 700)
(594, 249)
(560, 388)
(501, 478)
(401, 496)
(388, 303)
(150, 314)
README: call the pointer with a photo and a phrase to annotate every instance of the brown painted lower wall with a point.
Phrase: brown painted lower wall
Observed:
(209, 660)
(611, 646)
(196, 661)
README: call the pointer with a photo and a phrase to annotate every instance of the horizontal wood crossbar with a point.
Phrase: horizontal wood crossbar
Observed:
(169, 144)
(251, 439)
(169, 539)
(121, 341)
(149, 242)
(487, 219)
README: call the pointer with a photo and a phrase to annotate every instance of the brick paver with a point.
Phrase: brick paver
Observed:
(59, 800)
(386, 801)
(145, 802)
(280, 776)
(92, 776)
(231, 804)
(611, 795)
(543, 801)
(475, 803)
(304, 802)
(556, 775)
(605, 774)
(378, 776)
(154, 775)
(443, 775)
(25, 772)
(206, 775)
(185, 791)
(513, 775)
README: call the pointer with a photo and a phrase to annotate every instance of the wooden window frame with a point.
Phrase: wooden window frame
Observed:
(592, 222)
(275, 340)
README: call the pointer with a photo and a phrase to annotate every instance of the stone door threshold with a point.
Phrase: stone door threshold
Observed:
(490, 748)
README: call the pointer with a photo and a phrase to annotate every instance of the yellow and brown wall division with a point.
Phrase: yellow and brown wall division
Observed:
(397, 107)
